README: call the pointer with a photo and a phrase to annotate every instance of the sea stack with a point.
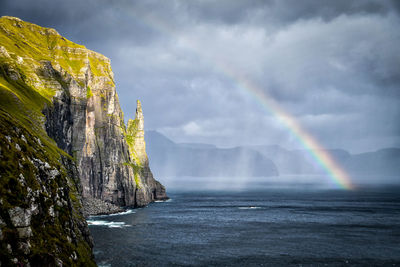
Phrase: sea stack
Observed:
(147, 188)
(137, 148)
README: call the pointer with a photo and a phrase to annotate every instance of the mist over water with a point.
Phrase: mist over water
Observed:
(204, 166)
(285, 212)
(270, 227)
(285, 182)
(240, 183)
(288, 212)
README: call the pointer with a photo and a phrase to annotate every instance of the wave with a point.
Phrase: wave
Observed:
(168, 200)
(113, 214)
(249, 208)
(107, 223)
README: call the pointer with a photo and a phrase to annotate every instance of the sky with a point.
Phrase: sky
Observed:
(333, 65)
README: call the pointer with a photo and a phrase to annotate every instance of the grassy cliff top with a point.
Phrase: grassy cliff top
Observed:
(27, 44)
(29, 57)
(32, 61)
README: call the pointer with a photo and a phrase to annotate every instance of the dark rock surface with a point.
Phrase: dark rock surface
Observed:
(41, 223)
(94, 206)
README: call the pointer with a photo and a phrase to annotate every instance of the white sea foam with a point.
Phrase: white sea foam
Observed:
(122, 213)
(249, 208)
(113, 214)
(107, 223)
(168, 200)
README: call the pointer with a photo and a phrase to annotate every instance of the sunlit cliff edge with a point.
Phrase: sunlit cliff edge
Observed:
(63, 141)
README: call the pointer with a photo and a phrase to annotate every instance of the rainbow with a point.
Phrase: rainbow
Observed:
(316, 150)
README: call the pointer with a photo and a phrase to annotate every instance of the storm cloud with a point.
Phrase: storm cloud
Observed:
(334, 65)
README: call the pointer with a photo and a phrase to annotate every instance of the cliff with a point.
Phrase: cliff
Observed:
(62, 137)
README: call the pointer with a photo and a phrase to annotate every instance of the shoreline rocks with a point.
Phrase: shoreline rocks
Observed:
(93, 206)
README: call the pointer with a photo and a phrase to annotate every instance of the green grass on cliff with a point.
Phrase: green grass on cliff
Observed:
(32, 41)
(20, 114)
(24, 38)
(137, 169)
(49, 237)
(25, 104)
(22, 46)
(130, 135)
(89, 92)
(29, 44)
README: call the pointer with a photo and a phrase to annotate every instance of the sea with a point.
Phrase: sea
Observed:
(255, 227)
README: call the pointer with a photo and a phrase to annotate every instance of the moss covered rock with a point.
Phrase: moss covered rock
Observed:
(41, 223)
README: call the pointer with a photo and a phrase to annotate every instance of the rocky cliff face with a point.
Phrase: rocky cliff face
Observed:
(41, 223)
(86, 121)
(62, 136)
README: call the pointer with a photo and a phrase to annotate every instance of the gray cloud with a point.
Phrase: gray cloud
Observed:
(282, 11)
(331, 64)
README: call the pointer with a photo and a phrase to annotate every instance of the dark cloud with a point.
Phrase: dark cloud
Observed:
(87, 22)
(281, 11)
(292, 10)
(225, 11)
(331, 64)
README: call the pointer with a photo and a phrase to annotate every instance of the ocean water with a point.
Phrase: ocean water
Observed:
(255, 228)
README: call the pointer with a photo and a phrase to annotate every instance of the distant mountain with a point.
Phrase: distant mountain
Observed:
(188, 159)
(197, 145)
(297, 161)
(381, 162)
(171, 159)
(384, 162)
